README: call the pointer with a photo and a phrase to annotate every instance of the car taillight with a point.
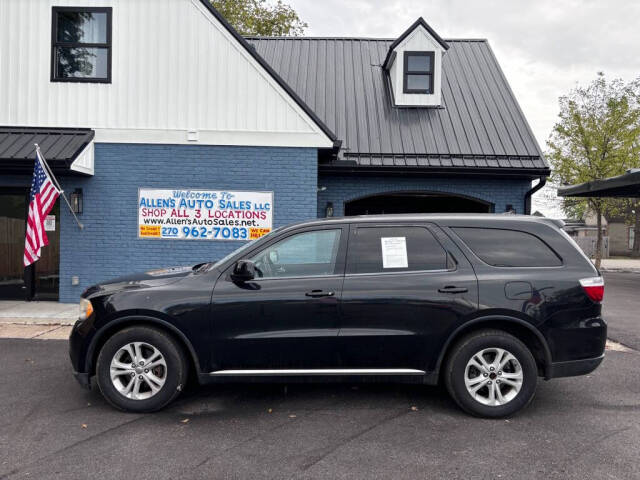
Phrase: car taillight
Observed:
(594, 288)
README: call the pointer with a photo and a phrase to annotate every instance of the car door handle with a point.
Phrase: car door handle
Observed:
(319, 293)
(453, 289)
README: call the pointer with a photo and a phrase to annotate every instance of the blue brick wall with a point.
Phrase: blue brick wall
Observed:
(109, 245)
(498, 191)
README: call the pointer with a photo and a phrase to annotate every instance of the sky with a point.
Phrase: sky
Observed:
(545, 47)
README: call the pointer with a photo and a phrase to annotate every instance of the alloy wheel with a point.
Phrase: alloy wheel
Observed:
(138, 370)
(493, 376)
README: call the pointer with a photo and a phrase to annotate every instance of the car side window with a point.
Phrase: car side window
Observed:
(303, 254)
(508, 248)
(394, 249)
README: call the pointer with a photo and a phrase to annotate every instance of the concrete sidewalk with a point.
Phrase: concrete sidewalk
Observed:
(631, 265)
(38, 313)
(41, 320)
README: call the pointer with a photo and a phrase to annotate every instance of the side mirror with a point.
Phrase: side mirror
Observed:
(243, 271)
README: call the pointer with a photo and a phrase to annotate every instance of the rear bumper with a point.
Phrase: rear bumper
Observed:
(574, 368)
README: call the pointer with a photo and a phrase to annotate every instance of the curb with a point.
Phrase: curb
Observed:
(34, 331)
(51, 321)
(620, 270)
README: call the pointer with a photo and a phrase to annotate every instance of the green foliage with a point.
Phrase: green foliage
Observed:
(597, 136)
(597, 132)
(260, 17)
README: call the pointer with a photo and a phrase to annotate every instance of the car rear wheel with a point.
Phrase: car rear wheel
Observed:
(141, 369)
(491, 373)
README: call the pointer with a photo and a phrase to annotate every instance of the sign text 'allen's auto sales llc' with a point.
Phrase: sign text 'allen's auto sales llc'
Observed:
(204, 214)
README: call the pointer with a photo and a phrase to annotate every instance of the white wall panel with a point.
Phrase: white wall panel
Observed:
(174, 68)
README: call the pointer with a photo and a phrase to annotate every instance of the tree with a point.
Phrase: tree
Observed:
(596, 137)
(259, 17)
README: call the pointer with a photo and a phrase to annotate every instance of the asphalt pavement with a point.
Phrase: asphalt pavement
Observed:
(576, 428)
(622, 307)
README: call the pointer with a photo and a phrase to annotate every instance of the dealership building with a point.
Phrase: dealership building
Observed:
(177, 140)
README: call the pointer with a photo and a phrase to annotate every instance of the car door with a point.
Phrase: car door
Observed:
(286, 317)
(405, 286)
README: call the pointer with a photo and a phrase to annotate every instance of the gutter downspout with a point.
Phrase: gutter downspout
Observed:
(527, 196)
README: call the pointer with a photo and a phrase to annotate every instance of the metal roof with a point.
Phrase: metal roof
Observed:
(479, 126)
(626, 185)
(60, 147)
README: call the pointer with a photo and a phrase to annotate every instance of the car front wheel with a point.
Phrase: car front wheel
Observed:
(141, 369)
(491, 373)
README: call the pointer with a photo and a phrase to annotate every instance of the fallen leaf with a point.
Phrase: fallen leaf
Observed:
(84, 425)
(270, 410)
(186, 420)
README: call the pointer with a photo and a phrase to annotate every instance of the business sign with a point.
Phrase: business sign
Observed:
(204, 214)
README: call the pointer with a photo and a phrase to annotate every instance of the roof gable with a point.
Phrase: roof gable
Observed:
(420, 22)
(179, 74)
(294, 96)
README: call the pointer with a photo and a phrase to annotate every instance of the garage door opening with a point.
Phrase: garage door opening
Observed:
(415, 203)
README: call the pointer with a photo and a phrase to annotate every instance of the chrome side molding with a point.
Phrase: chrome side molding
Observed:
(319, 371)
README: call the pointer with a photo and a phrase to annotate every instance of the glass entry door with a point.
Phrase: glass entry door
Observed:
(41, 280)
(13, 214)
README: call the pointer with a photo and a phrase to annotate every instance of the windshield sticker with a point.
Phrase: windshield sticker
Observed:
(394, 252)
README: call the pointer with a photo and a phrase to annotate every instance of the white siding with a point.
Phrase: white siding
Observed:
(420, 41)
(174, 69)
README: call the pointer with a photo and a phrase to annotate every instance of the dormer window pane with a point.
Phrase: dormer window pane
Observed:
(418, 82)
(418, 72)
(419, 63)
(81, 46)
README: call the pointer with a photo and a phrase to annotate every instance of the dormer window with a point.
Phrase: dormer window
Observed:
(414, 67)
(418, 72)
(81, 44)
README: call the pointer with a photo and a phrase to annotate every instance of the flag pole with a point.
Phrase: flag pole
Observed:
(57, 184)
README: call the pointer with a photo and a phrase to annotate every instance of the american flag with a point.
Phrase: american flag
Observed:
(43, 195)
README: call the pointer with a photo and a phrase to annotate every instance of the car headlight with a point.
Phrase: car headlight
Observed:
(86, 309)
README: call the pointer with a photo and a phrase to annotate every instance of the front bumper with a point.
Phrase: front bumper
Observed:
(79, 341)
(574, 368)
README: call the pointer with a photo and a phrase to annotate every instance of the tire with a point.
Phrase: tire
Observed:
(466, 371)
(157, 386)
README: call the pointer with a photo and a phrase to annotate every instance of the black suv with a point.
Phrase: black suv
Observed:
(484, 303)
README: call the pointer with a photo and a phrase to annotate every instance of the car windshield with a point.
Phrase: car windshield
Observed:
(244, 247)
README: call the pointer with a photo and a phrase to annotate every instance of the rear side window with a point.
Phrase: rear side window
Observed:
(508, 248)
(394, 249)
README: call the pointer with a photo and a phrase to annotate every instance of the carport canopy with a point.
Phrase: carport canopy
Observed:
(626, 185)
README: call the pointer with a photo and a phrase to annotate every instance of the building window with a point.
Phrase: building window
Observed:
(81, 44)
(418, 72)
